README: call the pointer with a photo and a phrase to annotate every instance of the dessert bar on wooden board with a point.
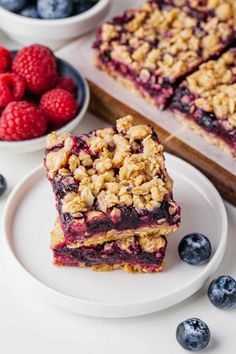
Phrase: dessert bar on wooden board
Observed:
(206, 101)
(151, 48)
(109, 104)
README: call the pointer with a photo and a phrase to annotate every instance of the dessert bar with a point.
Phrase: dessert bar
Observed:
(111, 184)
(152, 48)
(206, 101)
(133, 254)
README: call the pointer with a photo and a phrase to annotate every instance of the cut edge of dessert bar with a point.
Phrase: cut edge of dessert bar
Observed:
(206, 101)
(111, 184)
(152, 48)
(134, 254)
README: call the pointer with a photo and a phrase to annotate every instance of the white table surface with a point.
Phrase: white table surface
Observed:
(29, 326)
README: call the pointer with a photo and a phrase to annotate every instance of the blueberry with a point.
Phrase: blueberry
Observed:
(13, 5)
(80, 8)
(193, 334)
(207, 120)
(178, 101)
(30, 11)
(83, 5)
(54, 9)
(195, 249)
(222, 292)
(3, 185)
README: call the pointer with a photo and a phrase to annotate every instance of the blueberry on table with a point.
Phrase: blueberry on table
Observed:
(54, 9)
(193, 334)
(30, 11)
(195, 249)
(222, 292)
(3, 185)
(13, 5)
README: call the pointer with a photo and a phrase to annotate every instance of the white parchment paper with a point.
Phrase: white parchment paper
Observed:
(81, 55)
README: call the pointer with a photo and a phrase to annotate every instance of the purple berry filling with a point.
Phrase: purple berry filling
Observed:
(110, 253)
(183, 101)
(130, 219)
(160, 89)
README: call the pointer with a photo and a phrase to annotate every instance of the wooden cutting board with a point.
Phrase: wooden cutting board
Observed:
(108, 108)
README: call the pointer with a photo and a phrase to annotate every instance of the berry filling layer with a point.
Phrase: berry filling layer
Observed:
(144, 254)
(183, 102)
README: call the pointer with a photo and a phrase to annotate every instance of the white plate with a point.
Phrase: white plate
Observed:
(29, 216)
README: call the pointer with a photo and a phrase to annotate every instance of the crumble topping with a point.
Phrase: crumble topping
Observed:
(57, 159)
(54, 139)
(215, 87)
(122, 166)
(222, 8)
(168, 42)
(151, 244)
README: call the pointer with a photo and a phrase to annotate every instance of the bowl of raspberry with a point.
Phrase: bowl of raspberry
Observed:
(50, 22)
(39, 93)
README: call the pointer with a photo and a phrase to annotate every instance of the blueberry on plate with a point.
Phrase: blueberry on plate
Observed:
(30, 11)
(54, 9)
(193, 334)
(3, 185)
(195, 249)
(13, 5)
(222, 292)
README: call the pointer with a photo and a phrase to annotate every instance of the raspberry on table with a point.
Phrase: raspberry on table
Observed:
(12, 88)
(66, 83)
(5, 59)
(59, 106)
(22, 120)
(37, 65)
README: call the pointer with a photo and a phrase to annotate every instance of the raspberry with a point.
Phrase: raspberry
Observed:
(59, 106)
(21, 121)
(37, 65)
(66, 83)
(12, 88)
(5, 60)
(5, 95)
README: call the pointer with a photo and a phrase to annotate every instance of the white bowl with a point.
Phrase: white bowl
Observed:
(53, 33)
(83, 97)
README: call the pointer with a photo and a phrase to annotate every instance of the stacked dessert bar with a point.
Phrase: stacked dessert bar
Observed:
(152, 48)
(113, 197)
